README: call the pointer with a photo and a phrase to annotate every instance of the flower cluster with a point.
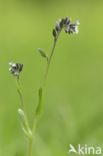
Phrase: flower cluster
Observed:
(65, 23)
(15, 68)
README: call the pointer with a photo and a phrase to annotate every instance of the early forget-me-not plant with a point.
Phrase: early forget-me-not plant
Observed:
(16, 68)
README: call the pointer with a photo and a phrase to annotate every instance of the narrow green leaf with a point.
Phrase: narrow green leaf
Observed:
(25, 132)
(42, 53)
(24, 123)
(39, 106)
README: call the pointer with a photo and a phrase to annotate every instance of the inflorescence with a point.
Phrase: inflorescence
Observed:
(15, 68)
(67, 25)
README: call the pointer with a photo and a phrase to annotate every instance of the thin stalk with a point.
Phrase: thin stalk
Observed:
(50, 58)
(20, 93)
(30, 143)
(49, 61)
(36, 117)
(30, 139)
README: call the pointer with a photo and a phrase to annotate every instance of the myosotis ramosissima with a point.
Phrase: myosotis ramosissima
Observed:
(16, 68)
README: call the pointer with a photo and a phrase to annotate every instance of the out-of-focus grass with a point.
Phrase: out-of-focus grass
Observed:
(73, 111)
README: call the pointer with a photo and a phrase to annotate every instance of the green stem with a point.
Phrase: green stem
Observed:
(36, 118)
(20, 93)
(49, 61)
(30, 142)
(30, 138)
(50, 58)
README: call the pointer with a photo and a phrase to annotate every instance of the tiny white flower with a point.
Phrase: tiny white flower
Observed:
(67, 25)
(15, 68)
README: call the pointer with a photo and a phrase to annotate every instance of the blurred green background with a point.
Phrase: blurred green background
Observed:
(73, 98)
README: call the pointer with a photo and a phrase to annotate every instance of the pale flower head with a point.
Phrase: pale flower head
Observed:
(15, 68)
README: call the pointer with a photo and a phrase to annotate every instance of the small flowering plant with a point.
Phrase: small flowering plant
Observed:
(16, 69)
